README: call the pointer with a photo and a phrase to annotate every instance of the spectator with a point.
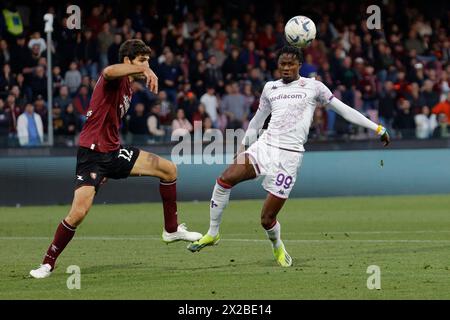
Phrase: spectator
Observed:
(36, 39)
(443, 107)
(63, 99)
(88, 54)
(217, 52)
(138, 125)
(113, 56)
(81, 101)
(387, 105)
(430, 97)
(308, 69)
(40, 107)
(59, 129)
(5, 122)
(233, 67)
(248, 95)
(154, 124)
(319, 124)
(266, 39)
(170, 76)
(31, 60)
(414, 43)
(29, 128)
(249, 56)
(167, 109)
(214, 73)
(58, 80)
(94, 21)
(235, 34)
(209, 131)
(180, 125)
(189, 103)
(72, 124)
(264, 71)
(72, 78)
(7, 80)
(443, 128)
(404, 120)
(199, 116)
(415, 98)
(105, 40)
(38, 83)
(256, 79)
(13, 110)
(21, 99)
(234, 107)
(425, 123)
(20, 54)
(211, 103)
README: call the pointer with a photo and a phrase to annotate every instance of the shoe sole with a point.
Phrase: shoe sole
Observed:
(176, 240)
(34, 277)
(206, 245)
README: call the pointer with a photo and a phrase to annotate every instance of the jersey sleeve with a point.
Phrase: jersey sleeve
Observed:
(257, 122)
(323, 94)
(264, 103)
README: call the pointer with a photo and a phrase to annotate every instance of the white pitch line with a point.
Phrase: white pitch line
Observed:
(242, 240)
(369, 232)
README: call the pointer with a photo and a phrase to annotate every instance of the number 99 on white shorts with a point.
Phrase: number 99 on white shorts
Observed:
(278, 166)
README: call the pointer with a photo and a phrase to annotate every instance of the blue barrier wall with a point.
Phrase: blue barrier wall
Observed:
(50, 180)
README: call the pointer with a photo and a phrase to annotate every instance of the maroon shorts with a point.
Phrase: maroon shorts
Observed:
(95, 167)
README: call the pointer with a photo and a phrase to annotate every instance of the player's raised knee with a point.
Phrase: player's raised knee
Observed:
(225, 181)
(171, 172)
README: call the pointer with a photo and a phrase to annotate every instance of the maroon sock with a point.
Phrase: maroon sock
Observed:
(64, 233)
(168, 191)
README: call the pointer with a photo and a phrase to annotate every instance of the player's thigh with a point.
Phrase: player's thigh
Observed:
(242, 169)
(149, 164)
(82, 202)
(282, 174)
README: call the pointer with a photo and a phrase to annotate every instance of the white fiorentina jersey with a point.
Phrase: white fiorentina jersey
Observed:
(292, 107)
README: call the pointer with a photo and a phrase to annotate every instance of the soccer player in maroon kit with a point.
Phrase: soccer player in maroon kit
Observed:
(100, 155)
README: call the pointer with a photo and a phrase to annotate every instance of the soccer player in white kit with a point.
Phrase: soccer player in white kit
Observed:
(278, 152)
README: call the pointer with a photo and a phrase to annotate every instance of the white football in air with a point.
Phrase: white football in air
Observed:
(300, 31)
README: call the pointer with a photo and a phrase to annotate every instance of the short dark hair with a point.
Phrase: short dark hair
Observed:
(295, 51)
(133, 48)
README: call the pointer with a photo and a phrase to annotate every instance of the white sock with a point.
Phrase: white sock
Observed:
(274, 235)
(219, 201)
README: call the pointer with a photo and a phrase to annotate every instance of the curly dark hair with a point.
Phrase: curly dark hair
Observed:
(291, 50)
(133, 48)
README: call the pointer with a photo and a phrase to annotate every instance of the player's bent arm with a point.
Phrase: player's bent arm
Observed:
(121, 70)
(355, 117)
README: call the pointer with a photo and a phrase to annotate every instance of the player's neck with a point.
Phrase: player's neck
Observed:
(287, 82)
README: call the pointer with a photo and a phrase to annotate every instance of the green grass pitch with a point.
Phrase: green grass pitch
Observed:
(332, 241)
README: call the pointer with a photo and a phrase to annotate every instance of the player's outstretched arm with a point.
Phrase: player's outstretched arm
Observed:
(124, 69)
(355, 117)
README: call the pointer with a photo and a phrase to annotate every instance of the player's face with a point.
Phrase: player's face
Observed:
(140, 60)
(289, 67)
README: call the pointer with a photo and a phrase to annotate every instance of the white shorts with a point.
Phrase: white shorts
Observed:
(278, 166)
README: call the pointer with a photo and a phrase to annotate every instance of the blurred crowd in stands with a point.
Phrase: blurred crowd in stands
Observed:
(213, 59)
